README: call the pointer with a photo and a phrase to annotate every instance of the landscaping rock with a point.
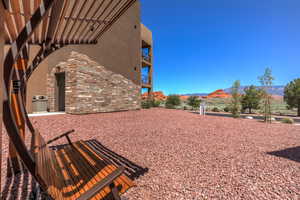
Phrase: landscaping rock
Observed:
(189, 157)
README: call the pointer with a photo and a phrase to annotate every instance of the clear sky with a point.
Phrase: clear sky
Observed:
(204, 45)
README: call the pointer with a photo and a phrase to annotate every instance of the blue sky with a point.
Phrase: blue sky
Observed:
(204, 45)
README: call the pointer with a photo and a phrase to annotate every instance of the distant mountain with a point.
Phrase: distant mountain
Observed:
(196, 94)
(274, 90)
(219, 94)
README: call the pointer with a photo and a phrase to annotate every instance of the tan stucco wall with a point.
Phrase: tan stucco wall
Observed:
(146, 34)
(37, 84)
(118, 50)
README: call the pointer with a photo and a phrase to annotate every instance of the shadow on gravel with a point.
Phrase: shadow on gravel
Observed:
(290, 153)
(132, 170)
(17, 186)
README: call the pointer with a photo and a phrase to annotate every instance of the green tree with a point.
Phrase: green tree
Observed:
(194, 102)
(251, 99)
(292, 94)
(235, 105)
(172, 101)
(266, 81)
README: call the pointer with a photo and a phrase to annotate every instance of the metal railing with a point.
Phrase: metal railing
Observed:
(146, 80)
(146, 57)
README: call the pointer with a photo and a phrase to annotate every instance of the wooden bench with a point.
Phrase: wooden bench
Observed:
(76, 171)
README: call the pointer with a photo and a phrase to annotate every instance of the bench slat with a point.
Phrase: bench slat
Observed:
(81, 165)
(46, 166)
(76, 192)
(99, 168)
(92, 155)
(76, 171)
(66, 186)
(123, 179)
(87, 173)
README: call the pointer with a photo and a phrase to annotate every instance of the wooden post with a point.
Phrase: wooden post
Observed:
(20, 67)
(1, 70)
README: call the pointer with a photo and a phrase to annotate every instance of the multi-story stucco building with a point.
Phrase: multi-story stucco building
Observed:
(125, 51)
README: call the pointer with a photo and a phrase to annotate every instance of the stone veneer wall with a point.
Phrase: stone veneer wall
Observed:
(90, 88)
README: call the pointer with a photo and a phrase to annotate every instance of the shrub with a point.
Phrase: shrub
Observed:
(149, 103)
(169, 106)
(292, 94)
(155, 103)
(194, 102)
(146, 104)
(235, 100)
(226, 109)
(287, 121)
(173, 101)
(251, 99)
(215, 109)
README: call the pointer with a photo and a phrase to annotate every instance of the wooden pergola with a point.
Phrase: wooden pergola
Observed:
(50, 24)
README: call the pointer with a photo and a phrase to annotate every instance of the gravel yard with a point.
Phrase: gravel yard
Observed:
(191, 156)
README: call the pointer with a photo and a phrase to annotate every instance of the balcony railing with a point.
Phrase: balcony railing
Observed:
(146, 80)
(146, 57)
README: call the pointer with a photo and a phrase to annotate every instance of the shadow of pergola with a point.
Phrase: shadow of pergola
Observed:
(19, 186)
(23, 186)
(289, 153)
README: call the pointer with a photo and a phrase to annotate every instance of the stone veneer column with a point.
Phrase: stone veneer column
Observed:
(91, 88)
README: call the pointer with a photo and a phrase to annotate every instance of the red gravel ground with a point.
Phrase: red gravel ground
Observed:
(194, 157)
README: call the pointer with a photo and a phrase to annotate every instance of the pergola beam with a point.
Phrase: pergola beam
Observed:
(67, 24)
(81, 9)
(69, 21)
(1, 72)
(54, 20)
(10, 117)
(85, 36)
(114, 19)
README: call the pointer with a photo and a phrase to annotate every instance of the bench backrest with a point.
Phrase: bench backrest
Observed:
(47, 166)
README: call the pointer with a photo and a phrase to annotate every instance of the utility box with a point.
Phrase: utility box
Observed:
(39, 103)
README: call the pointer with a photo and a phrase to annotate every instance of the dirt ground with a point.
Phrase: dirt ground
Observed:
(191, 156)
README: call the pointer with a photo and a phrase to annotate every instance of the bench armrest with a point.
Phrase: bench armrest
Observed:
(66, 134)
(107, 181)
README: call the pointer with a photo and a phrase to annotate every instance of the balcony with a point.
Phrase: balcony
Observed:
(146, 57)
(146, 81)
